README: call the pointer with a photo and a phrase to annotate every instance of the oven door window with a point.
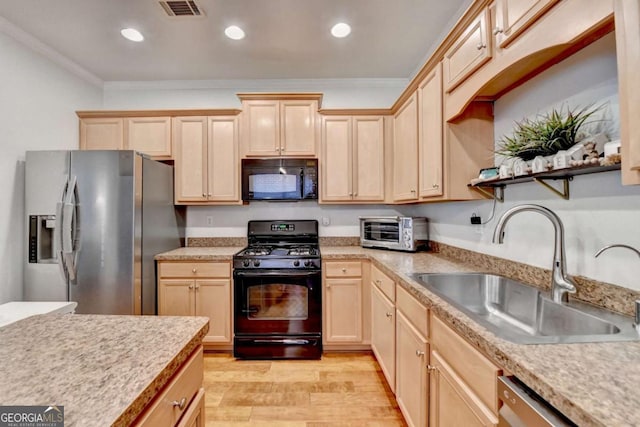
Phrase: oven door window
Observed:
(275, 186)
(382, 231)
(278, 301)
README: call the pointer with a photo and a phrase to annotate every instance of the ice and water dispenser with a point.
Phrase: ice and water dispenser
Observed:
(41, 241)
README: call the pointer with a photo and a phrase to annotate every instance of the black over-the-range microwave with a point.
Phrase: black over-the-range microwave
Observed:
(279, 179)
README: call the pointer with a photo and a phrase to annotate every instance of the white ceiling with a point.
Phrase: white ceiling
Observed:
(286, 39)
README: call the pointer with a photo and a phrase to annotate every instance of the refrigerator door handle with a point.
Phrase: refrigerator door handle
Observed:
(68, 218)
(57, 239)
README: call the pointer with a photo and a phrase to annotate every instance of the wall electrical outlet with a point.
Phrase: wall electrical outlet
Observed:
(326, 221)
(209, 220)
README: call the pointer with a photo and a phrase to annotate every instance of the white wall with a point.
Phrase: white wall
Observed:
(601, 211)
(37, 111)
(338, 93)
(231, 221)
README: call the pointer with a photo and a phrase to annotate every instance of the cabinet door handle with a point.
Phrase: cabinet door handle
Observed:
(344, 270)
(389, 314)
(497, 30)
(378, 282)
(419, 353)
(431, 368)
(209, 194)
(194, 270)
(481, 46)
(197, 286)
(190, 286)
(180, 404)
(204, 194)
(435, 186)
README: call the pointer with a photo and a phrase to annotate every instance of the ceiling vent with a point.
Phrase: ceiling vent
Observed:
(181, 8)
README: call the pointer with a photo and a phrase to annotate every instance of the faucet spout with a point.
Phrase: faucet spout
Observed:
(561, 284)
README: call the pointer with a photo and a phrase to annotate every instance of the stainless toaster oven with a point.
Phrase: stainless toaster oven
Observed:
(401, 233)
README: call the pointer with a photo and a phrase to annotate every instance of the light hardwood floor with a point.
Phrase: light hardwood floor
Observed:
(339, 390)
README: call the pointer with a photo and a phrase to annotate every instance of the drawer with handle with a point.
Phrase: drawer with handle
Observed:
(173, 402)
(194, 269)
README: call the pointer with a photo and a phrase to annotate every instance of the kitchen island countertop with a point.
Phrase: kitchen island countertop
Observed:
(594, 384)
(104, 370)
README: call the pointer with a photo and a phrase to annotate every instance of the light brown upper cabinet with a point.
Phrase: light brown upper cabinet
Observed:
(207, 165)
(468, 52)
(149, 135)
(101, 133)
(352, 164)
(430, 133)
(405, 151)
(514, 16)
(627, 16)
(279, 127)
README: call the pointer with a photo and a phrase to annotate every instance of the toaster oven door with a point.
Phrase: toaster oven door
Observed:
(387, 231)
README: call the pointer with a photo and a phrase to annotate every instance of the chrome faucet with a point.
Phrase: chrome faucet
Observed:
(636, 322)
(617, 245)
(561, 285)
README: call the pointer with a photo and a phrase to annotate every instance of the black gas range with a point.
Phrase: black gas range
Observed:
(277, 292)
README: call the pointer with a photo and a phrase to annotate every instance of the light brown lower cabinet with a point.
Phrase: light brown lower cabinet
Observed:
(383, 324)
(463, 382)
(412, 354)
(181, 402)
(198, 289)
(346, 307)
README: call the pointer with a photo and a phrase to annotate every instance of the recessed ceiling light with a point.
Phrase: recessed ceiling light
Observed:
(234, 32)
(132, 34)
(341, 30)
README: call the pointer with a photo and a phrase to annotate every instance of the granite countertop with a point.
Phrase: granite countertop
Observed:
(222, 253)
(594, 384)
(104, 370)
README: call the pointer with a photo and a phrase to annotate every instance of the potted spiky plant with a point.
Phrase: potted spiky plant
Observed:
(546, 134)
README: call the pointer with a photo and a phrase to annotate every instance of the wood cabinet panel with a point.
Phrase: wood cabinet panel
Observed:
(383, 334)
(452, 403)
(405, 152)
(176, 297)
(368, 158)
(194, 269)
(198, 289)
(102, 134)
(469, 364)
(627, 16)
(343, 269)
(343, 305)
(223, 162)
(213, 301)
(336, 164)
(190, 170)
(411, 372)
(430, 134)
(186, 385)
(515, 16)
(149, 135)
(261, 128)
(298, 128)
(413, 310)
(352, 165)
(384, 282)
(468, 52)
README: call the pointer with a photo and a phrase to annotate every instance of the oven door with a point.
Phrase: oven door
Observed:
(277, 302)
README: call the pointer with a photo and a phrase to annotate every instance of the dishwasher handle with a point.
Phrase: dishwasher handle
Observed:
(523, 407)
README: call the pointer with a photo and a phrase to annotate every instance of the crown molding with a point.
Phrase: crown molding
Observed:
(46, 51)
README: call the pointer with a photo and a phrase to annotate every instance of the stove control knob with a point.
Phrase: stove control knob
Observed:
(245, 263)
(296, 263)
(256, 263)
(307, 263)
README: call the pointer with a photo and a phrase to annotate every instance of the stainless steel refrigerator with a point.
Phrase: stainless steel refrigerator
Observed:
(95, 220)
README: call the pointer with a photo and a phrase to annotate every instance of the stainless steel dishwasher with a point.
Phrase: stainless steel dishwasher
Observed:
(522, 407)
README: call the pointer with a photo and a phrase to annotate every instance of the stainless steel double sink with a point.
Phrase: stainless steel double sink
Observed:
(524, 314)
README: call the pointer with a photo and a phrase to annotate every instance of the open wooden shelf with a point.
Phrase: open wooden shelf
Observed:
(565, 175)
